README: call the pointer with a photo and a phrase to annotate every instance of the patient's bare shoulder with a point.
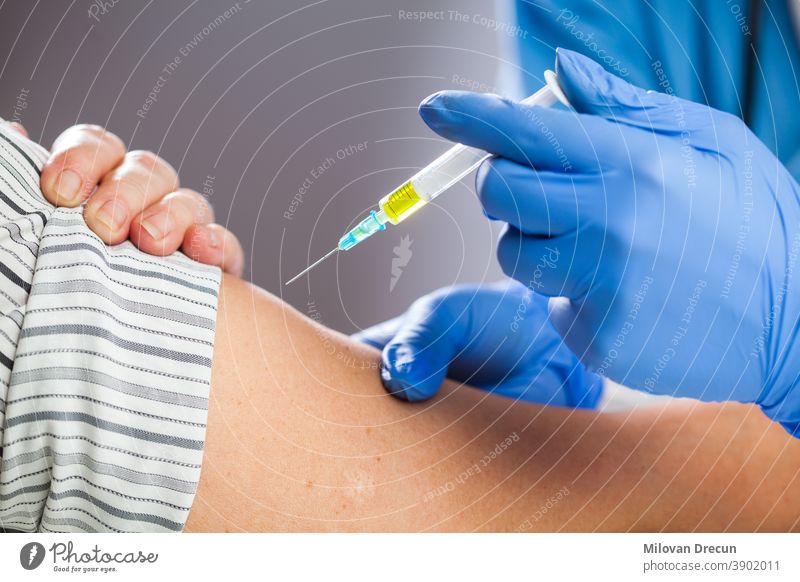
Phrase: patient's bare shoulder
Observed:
(260, 337)
(302, 436)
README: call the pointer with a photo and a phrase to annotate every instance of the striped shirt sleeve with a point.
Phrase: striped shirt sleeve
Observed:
(105, 368)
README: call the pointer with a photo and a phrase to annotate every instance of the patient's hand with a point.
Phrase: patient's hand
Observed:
(134, 195)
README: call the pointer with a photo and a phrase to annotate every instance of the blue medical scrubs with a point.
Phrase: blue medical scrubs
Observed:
(696, 48)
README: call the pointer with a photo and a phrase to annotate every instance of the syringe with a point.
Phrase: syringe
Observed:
(430, 181)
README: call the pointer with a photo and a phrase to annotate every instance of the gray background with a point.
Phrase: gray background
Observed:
(259, 102)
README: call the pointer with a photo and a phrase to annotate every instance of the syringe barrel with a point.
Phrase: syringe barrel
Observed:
(449, 168)
(452, 166)
(431, 181)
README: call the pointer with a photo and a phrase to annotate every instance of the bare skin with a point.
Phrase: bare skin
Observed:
(302, 437)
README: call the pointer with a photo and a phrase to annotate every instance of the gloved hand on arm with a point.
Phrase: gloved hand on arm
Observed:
(666, 233)
(496, 337)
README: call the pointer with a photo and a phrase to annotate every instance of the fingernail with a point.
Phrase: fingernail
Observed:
(112, 214)
(401, 357)
(214, 240)
(158, 226)
(430, 101)
(18, 128)
(68, 185)
(432, 108)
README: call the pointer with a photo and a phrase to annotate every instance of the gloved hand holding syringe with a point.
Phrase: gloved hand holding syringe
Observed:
(638, 201)
(430, 181)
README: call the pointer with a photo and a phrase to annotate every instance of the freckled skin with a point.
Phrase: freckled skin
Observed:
(286, 449)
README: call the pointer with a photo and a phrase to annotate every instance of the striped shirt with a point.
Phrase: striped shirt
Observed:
(105, 365)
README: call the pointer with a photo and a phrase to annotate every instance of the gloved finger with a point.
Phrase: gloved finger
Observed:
(379, 335)
(552, 266)
(161, 227)
(79, 158)
(536, 202)
(213, 244)
(591, 89)
(548, 139)
(141, 179)
(415, 361)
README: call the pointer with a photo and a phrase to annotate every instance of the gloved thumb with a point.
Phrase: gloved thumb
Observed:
(593, 90)
(415, 361)
(379, 335)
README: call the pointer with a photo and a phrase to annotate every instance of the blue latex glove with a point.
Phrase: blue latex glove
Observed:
(496, 337)
(668, 232)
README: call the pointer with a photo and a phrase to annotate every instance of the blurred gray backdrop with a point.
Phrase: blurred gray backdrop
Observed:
(292, 116)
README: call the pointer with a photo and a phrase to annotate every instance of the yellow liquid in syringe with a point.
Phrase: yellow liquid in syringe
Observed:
(402, 203)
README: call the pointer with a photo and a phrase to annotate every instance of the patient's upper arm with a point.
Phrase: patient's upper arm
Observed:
(302, 436)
